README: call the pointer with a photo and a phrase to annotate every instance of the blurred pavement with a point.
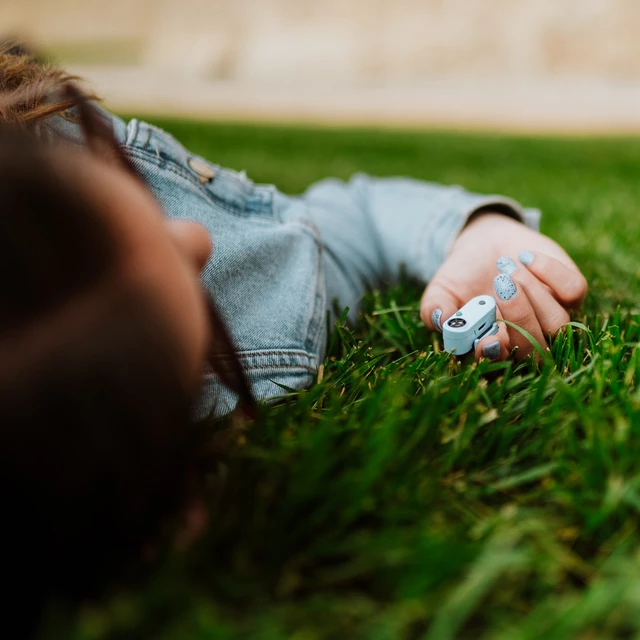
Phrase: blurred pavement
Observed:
(570, 105)
(540, 65)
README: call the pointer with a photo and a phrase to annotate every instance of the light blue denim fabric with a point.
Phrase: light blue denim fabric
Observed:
(280, 261)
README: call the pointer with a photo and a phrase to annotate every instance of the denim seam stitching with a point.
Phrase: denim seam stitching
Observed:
(254, 354)
(315, 323)
(176, 168)
(279, 352)
(281, 366)
(167, 165)
(266, 203)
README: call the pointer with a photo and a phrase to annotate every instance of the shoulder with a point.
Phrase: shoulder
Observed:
(66, 125)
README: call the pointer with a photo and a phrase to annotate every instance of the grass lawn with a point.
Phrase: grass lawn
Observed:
(410, 496)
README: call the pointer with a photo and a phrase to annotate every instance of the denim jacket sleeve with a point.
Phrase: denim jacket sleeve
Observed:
(279, 261)
(371, 227)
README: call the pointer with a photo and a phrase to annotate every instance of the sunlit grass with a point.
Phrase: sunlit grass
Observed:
(408, 495)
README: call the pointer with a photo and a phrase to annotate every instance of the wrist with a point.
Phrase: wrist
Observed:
(486, 231)
(497, 209)
(488, 218)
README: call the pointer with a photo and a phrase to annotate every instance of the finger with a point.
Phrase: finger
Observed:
(495, 347)
(550, 313)
(506, 265)
(515, 307)
(438, 304)
(568, 284)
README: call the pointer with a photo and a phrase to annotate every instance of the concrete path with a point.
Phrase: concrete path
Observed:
(571, 105)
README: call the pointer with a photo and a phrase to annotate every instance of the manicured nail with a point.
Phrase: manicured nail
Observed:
(504, 287)
(435, 318)
(526, 257)
(491, 351)
(506, 265)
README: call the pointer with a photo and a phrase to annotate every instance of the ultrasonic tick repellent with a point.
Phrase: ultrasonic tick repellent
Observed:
(466, 327)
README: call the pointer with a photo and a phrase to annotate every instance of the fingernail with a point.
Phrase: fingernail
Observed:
(526, 257)
(435, 318)
(491, 351)
(504, 287)
(506, 265)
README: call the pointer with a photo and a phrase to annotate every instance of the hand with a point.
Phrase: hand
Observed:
(537, 285)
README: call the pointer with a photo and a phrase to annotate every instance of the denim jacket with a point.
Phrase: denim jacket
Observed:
(280, 261)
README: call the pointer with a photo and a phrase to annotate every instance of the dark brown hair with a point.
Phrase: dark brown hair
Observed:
(29, 86)
(31, 90)
(97, 444)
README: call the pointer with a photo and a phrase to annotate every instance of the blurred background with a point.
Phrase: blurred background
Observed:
(541, 65)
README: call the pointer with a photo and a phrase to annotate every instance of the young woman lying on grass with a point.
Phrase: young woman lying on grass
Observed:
(115, 240)
(277, 263)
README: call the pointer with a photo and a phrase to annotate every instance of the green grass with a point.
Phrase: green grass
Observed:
(410, 496)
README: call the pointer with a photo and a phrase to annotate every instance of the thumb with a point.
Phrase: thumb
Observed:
(438, 304)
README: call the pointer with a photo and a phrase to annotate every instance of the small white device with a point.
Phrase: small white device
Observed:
(467, 326)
